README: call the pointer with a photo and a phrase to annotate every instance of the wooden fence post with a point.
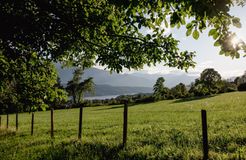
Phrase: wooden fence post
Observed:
(52, 123)
(204, 134)
(7, 121)
(16, 121)
(125, 115)
(80, 121)
(32, 123)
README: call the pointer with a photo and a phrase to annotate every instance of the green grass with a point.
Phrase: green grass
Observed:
(162, 130)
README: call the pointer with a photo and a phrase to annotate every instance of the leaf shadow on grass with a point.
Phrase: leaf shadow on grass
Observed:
(97, 151)
(192, 99)
(7, 132)
(78, 150)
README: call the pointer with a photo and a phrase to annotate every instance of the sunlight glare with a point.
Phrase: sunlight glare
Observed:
(235, 41)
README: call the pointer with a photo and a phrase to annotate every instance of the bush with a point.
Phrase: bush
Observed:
(242, 87)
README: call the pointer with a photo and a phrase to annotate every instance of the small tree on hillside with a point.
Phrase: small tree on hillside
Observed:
(160, 92)
(211, 80)
(77, 89)
(208, 83)
(179, 91)
(158, 88)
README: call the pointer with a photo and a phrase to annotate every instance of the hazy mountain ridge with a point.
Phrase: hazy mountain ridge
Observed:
(116, 84)
(132, 80)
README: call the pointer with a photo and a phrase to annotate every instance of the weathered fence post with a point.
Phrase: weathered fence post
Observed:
(32, 123)
(7, 121)
(52, 123)
(16, 120)
(80, 121)
(125, 115)
(204, 134)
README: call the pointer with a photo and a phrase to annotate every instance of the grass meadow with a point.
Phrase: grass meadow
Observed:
(168, 129)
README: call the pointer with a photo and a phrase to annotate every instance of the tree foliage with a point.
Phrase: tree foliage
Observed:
(110, 32)
(179, 91)
(28, 84)
(210, 79)
(160, 92)
(226, 86)
(241, 82)
(242, 87)
(77, 89)
(209, 83)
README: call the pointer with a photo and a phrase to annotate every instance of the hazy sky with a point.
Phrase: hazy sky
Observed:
(207, 55)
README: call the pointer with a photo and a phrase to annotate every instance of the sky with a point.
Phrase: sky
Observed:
(207, 56)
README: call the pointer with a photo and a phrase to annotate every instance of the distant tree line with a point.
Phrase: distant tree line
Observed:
(209, 83)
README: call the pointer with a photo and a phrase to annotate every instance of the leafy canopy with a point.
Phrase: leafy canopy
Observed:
(28, 85)
(109, 32)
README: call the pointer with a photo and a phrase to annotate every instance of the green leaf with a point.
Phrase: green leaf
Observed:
(188, 32)
(159, 3)
(189, 25)
(183, 21)
(237, 55)
(222, 52)
(148, 36)
(236, 22)
(166, 23)
(217, 43)
(158, 21)
(178, 25)
(227, 53)
(195, 34)
(212, 32)
(110, 17)
(215, 35)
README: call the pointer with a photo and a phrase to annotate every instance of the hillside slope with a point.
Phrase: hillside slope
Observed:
(162, 130)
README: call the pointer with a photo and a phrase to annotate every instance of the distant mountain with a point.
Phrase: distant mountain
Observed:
(115, 79)
(112, 83)
(171, 80)
(105, 77)
(130, 80)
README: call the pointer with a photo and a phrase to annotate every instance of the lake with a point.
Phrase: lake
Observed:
(101, 97)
